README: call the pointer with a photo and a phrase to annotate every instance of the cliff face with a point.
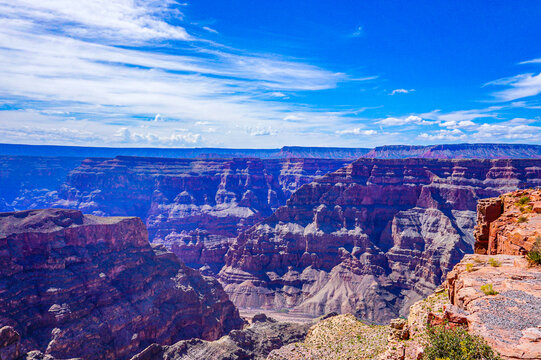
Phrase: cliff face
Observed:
(194, 207)
(75, 285)
(370, 238)
(508, 224)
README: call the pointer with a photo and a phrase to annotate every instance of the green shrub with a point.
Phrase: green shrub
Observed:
(522, 219)
(534, 255)
(488, 289)
(469, 267)
(493, 262)
(457, 344)
(523, 200)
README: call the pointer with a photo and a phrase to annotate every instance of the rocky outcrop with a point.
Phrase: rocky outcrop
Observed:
(371, 238)
(509, 316)
(194, 207)
(75, 285)
(457, 151)
(253, 343)
(508, 224)
(338, 337)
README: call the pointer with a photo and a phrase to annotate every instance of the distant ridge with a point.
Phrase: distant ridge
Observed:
(457, 151)
(193, 153)
(443, 151)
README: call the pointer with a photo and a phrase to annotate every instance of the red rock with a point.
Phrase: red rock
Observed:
(75, 285)
(512, 227)
(371, 238)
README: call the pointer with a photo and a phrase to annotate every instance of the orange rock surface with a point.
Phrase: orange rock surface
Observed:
(508, 224)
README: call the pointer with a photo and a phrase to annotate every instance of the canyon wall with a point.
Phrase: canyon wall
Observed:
(74, 285)
(371, 238)
(28, 182)
(194, 207)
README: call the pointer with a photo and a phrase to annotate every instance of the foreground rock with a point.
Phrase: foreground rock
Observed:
(510, 318)
(74, 285)
(369, 239)
(252, 343)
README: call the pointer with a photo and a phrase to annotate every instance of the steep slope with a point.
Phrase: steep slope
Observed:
(75, 285)
(371, 238)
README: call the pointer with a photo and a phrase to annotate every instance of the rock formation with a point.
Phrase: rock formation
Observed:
(253, 343)
(508, 224)
(371, 238)
(509, 317)
(194, 207)
(74, 285)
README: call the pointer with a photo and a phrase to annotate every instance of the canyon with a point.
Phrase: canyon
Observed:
(74, 285)
(306, 235)
(370, 239)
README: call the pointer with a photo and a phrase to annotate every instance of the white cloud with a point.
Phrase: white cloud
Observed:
(127, 136)
(211, 30)
(464, 124)
(446, 135)
(516, 130)
(60, 60)
(520, 86)
(262, 131)
(412, 119)
(401, 91)
(119, 21)
(357, 131)
(462, 115)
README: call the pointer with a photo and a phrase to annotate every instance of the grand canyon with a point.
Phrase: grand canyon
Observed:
(171, 247)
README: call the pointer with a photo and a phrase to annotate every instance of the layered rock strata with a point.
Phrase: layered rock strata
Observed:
(370, 239)
(509, 224)
(194, 207)
(74, 285)
(253, 343)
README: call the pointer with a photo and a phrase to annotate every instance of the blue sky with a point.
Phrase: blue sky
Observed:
(262, 74)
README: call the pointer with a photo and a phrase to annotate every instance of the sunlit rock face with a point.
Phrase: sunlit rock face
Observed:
(195, 207)
(74, 285)
(370, 238)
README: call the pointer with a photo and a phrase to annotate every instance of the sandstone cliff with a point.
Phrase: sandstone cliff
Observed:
(508, 224)
(371, 238)
(74, 285)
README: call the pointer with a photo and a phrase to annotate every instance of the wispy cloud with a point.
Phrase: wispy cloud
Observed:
(358, 32)
(401, 91)
(62, 60)
(518, 86)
